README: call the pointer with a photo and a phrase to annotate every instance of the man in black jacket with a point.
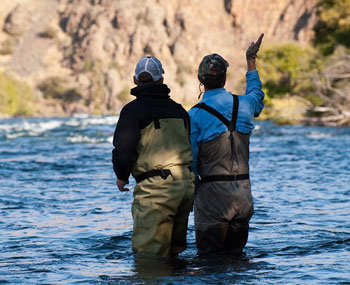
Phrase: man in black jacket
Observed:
(151, 142)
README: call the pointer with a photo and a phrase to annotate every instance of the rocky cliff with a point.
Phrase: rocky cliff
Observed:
(79, 55)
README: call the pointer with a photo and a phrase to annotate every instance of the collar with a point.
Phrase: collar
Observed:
(157, 90)
(213, 92)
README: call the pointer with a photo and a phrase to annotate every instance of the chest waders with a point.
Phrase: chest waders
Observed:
(223, 203)
(163, 196)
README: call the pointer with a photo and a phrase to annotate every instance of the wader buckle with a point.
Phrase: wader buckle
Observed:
(163, 173)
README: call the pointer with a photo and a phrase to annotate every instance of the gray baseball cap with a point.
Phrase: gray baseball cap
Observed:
(150, 65)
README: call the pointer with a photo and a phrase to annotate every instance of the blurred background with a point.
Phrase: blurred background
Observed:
(64, 57)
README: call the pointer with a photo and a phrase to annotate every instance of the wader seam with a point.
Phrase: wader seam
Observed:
(156, 123)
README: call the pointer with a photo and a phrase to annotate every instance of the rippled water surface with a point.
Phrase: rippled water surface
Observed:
(62, 219)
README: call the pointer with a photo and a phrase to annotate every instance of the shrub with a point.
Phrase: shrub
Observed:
(48, 33)
(124, 94)
(16, 98)
(333, 25)
(92, 65)
(183, 70)
(56, 88)
(53, 87)
(6, 47)
(71, 95)
(288, 69)
(180, 78)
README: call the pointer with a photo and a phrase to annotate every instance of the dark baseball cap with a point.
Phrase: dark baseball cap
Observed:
(213, 66)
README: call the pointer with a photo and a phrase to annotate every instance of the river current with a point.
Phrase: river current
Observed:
(63, 221)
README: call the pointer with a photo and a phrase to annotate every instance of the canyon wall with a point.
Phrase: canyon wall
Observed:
(86, 50)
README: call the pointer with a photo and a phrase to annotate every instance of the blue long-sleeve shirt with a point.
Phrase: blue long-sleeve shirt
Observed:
(205, 126)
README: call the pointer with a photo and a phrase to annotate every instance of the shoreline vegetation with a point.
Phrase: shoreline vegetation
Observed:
(311, 84)
(304, 83)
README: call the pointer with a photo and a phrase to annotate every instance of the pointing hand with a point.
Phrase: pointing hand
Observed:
(253, 49)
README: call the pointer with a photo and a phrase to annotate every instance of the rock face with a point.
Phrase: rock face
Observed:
(94, 45)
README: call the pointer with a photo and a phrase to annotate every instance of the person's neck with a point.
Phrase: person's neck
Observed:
(205, 89)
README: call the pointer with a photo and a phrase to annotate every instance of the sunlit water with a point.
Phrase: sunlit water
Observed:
(62, 219)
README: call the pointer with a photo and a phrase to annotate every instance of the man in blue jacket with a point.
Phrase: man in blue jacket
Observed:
(221, 125)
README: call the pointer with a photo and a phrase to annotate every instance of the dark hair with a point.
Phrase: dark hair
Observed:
(213, 83)
(145, 77)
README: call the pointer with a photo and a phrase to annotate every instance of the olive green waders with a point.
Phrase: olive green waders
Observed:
(163, 196)
(223, 203)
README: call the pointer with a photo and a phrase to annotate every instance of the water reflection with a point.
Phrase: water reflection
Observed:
(148, 267)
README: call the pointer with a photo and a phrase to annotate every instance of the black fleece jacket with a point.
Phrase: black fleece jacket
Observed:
(152, 101)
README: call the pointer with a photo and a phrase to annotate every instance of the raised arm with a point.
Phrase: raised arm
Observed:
(254, 93)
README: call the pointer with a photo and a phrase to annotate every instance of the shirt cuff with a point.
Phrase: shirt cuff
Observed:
(252, 72)
(122, 177)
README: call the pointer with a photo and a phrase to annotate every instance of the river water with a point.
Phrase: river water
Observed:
(62, 219)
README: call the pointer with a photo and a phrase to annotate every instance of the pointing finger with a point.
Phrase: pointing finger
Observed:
(258, 42)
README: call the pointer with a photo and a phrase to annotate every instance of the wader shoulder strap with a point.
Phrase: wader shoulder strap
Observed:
(231, 125)
(213, 112)
(233, 122)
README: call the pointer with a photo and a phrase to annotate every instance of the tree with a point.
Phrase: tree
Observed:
(333, 25)
(332, 85)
